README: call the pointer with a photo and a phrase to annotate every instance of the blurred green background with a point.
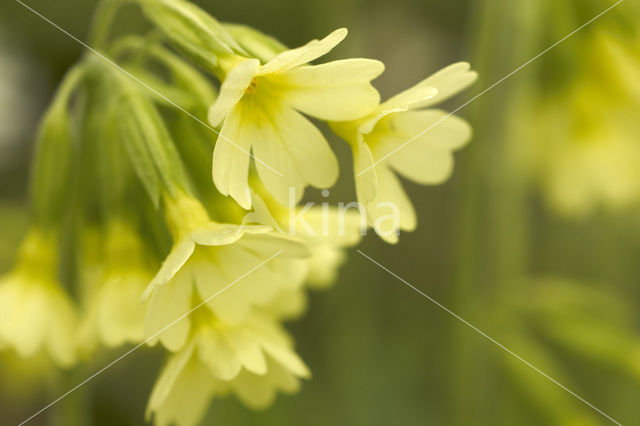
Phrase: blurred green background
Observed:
(557, 286)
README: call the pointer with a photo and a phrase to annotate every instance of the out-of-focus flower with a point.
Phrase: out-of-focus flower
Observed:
(36, 314)
(253, 360)
(122, 271)
(586, 145)
(261, 107)
(403, 135)
(217, 258)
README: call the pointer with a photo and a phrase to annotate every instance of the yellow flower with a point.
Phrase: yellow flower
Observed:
(36, 314)
(115, 314)
(242, 265)
(586, 144)
(394, 138)
(253, 360)
(261, 108)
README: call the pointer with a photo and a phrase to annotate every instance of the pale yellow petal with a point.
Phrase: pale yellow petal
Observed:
(261, 213)
(287, 358)
(277, 344)
(298, 151)
(391, 210)
(176, 259)
(324, 263)
(231, 156)
(449, 81)
(61, 327)
(259, 391)
(24, 316)
(256, 392)
(189, 396)
(304, 54)
(239, 282)
(248, 350)
(215, 351)
(222, 283)
(167, 378)
(233, 89)
(289, 304)
(37, 315)
(120, 314)
(273, 243)
(281, 178)
(230, 285)
(284, 380)
(365, 173)
(168, 305)
(217, 234)
(336, 91)
(428, 158)
(410, 98)
(339, 226)
(290, 274)
(399, 103)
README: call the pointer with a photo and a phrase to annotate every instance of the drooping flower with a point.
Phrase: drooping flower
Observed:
(115, 314)
(261, 105)
(36, 314)
(232, 267)
(585, 143)
(252, 360)
(405, 136)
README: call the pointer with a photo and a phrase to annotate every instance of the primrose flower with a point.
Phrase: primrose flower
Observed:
(36, 314)
(234, 267)
(115, 313)
(586, 144)
(253, 360)
(261, 105)
(394, 139)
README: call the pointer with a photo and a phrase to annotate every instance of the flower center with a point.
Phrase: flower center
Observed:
(252, 87)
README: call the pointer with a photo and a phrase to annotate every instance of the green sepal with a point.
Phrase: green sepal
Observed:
(51, 173)
(187, 87)
(149, 145)
(256, 43)
(115, 174)
(191, 30)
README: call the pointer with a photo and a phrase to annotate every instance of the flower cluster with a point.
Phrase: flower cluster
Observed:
(132, 243)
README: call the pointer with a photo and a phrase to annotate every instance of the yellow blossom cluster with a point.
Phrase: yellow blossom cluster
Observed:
(132, 241)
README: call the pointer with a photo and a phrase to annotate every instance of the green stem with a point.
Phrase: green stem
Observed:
(493, 216)
(102, 22)
(74, 410)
